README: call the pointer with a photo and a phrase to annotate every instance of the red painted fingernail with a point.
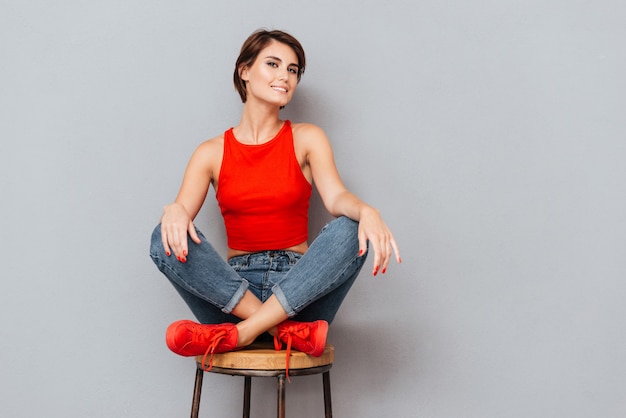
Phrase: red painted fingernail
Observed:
(384, 271)
(167, 253)
(375, 270)
(185, 253)
(360, 253)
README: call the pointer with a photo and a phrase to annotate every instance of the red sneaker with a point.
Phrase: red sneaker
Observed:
(308, 337)
(189, 338)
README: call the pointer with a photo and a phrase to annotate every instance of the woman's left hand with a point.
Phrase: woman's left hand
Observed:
(372, 228)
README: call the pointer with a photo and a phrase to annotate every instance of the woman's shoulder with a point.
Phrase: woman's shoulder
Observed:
(308, 132)
(310, 139)
(211, 144)
(209, 152)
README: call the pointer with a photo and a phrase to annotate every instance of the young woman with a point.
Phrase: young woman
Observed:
(262, 171)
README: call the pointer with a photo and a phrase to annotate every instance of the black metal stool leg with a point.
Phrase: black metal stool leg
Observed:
(197, 390)
(328, 404)
(246, 396)
(262, 371)
(281, 396)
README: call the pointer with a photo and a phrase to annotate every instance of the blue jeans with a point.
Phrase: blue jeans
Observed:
(309, 287)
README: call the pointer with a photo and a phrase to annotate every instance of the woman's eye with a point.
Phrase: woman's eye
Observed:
(272, 64)
(293, 70)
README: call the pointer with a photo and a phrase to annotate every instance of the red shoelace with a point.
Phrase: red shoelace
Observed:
(301, 332)
(211, 338)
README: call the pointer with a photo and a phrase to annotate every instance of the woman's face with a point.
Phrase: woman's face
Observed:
(273, 77)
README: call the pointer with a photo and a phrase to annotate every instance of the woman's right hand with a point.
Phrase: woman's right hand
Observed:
(175, 225)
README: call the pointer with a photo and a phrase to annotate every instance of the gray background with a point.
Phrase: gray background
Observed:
(490, 134)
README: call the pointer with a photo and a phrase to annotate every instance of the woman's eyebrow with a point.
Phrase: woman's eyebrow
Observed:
(278, 59)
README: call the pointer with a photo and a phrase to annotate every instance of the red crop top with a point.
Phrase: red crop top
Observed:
(262, 193)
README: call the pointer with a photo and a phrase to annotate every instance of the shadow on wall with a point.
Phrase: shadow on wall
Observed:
(318, 215)
(373, 354)
(307, 106)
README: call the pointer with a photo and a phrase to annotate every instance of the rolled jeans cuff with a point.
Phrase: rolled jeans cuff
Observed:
(278, 292)
(234, 301)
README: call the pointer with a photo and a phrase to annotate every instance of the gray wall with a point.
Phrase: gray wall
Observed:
(490, 134)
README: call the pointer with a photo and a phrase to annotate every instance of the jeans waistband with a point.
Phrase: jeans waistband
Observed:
(262, 256)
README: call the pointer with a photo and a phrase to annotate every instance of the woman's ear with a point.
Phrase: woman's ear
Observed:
(243, 72)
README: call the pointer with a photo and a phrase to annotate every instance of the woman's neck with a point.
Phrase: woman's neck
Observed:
(258, 124)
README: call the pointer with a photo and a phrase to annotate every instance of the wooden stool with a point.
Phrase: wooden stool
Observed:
(262, 360)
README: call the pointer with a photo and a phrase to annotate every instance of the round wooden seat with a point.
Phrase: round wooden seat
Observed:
(262, 360)
(263, 357)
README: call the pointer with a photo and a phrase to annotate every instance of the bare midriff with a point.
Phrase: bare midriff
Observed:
(300, 248)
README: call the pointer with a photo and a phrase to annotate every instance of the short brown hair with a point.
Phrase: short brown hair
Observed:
(253, 46)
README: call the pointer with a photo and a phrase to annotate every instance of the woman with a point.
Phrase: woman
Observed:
(262, 171)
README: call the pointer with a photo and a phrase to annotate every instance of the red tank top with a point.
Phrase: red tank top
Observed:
(262, 193)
